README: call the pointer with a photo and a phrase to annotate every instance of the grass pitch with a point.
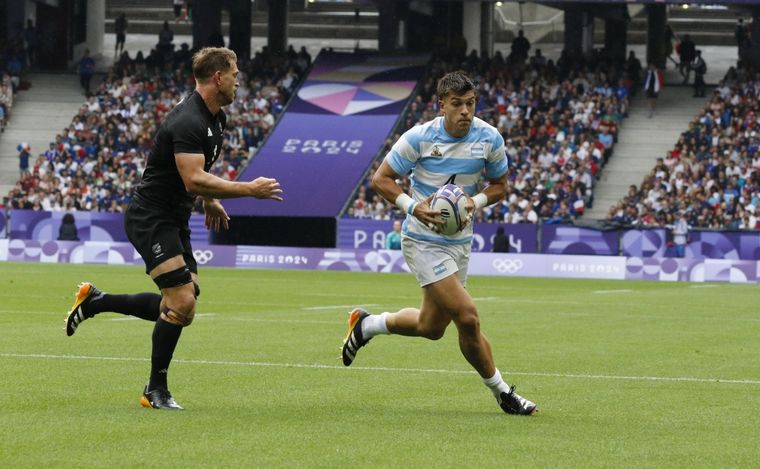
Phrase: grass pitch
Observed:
(625, 374)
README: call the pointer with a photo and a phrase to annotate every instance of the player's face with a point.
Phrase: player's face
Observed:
(458, 111)
(228, 84)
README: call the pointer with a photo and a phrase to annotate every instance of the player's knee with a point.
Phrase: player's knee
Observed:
(189, 318)
(180, 310)
(468, 322)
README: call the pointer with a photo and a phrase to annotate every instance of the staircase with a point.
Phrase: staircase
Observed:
(38, 114)
(641, 141)
(707, 26)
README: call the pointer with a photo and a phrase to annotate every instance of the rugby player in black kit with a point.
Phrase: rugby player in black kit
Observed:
(186, 146)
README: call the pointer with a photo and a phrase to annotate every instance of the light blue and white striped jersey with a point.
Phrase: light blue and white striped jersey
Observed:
(434, 157)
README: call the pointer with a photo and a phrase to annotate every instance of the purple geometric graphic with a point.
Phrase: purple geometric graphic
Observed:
(331, 131)
(560, 239)
(644, 243)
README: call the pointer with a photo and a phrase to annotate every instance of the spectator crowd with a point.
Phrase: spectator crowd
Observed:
(96, 162)
(710, 177)
(559, 122)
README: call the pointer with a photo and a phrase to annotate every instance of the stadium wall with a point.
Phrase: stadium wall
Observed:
(352, 233)
(493, 264)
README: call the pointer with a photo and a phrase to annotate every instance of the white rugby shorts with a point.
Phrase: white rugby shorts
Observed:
(432, 262)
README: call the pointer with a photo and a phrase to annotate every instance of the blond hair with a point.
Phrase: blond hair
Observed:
(209, 60)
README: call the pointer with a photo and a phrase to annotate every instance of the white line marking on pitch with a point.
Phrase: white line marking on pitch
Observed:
(703, 286)
(320, 308)
(374, 368)
(292, 321)
(135, 318)
(602, 292)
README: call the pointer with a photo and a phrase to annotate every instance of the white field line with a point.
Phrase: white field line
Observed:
(231, 316)
(707, 285)
(291, 321)
(604, 292)
(337, 307)
(134, 318)
(388, 369)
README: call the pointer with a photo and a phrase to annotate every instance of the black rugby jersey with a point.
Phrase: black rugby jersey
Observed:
(188, 128)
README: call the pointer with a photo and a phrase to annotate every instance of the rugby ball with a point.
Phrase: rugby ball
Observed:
(451, 201)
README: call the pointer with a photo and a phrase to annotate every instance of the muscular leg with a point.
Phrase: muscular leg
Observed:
(442, 302)
(450, 298)
(428, 321)
(141, 305)
(177, 311)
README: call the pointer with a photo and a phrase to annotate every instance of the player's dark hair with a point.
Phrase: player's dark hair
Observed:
(208, 60)
(455, 82)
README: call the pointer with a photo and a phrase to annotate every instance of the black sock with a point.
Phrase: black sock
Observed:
(142, 305)
(165, 338)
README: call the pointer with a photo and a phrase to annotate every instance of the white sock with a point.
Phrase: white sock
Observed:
(373, 325)
(496, 384)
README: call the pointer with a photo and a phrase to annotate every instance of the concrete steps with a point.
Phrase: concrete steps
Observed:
(38, 114)
(641, 141)
(706, 26)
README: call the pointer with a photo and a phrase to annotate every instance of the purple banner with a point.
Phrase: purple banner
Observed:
(91, 226)
(3, 224)
(724, 244)
(564, 239)
(100, 252)
(553, 266)
(702, 244)
(692, 270)
(361, 260)
(330, 133)
(364, 233)
(644, 243)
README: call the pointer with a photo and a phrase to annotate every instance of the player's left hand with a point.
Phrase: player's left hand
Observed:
(470, 206)
(216, 216)
(428, 216)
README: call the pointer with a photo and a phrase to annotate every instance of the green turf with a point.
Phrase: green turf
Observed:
(259, 375)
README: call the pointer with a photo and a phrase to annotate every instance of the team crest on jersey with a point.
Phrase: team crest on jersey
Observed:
(156, 248)
(435, 151)
(477, 150)
(210, 133)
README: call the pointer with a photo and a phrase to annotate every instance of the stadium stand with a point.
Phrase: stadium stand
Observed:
(95, 162)
(559, 124)
(710, 175)
(12, 64)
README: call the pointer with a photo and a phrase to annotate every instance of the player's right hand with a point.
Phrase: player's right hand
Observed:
(265, 188)
(431, 218)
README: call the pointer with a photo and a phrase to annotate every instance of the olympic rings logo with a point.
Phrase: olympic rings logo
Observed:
(203, 257)
(507, 265)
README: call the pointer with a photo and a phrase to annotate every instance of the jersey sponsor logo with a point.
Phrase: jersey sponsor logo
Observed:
(210, 133)
(435, 151)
